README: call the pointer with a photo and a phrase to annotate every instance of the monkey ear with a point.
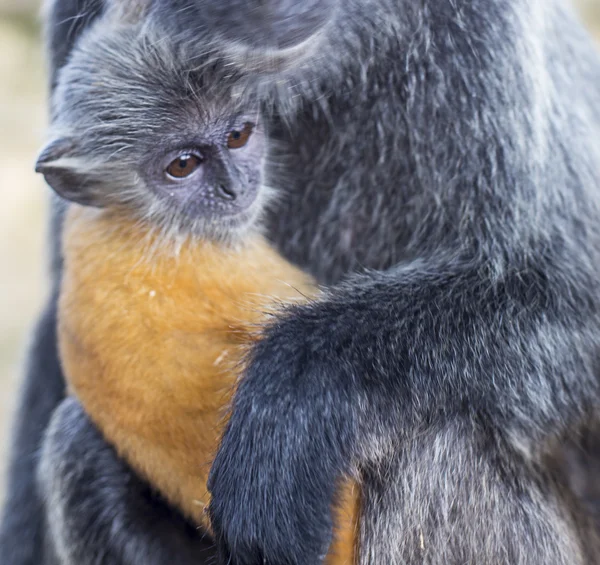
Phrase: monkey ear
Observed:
(56, 150)
(57, 163)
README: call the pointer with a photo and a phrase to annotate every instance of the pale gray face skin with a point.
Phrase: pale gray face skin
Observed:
(141, 126)
(215, 173)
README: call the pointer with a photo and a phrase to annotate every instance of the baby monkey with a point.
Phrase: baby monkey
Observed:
(166, 275)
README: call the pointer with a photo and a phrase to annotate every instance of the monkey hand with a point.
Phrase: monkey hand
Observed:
(258, 24)
(286, 445)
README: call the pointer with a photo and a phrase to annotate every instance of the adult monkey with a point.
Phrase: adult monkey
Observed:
(451, 146)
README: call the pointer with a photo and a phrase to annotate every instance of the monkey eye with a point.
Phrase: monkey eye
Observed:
(183, 166)
(239, 138)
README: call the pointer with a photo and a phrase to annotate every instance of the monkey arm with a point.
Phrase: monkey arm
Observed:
(338, 384)
(99, 511)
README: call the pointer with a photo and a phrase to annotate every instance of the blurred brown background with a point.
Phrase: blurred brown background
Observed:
(23, 196)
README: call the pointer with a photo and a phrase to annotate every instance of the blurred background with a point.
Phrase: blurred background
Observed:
(23, 196)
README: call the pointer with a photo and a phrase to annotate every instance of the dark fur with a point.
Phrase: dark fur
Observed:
(452, 147)
(105, 513)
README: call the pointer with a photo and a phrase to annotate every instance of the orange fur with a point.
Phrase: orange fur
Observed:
(152, 342)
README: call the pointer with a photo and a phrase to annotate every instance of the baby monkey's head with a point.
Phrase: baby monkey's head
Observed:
(142, 125)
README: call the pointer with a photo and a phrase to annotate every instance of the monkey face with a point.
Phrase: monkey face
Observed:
(142, 127)
(214, 174)
(207, 182)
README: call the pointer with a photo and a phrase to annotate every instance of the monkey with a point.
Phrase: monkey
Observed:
(166, 276)
(441, 167)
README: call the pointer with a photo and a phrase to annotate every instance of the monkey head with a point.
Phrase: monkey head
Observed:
(146, 126)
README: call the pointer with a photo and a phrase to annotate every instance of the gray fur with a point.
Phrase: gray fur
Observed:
(446, 498)
(483, 172)
(451, 147)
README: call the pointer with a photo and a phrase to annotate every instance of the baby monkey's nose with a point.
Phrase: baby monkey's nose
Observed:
(226, 192)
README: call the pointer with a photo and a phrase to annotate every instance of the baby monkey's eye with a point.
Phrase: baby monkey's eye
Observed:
(237, 138)
(183, 166)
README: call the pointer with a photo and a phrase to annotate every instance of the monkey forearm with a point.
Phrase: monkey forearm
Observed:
(336, 384)
(98, 510)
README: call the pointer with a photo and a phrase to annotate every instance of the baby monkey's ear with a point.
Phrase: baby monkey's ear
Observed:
(65, 173)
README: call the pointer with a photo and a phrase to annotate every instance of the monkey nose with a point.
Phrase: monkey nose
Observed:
(226, 192)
